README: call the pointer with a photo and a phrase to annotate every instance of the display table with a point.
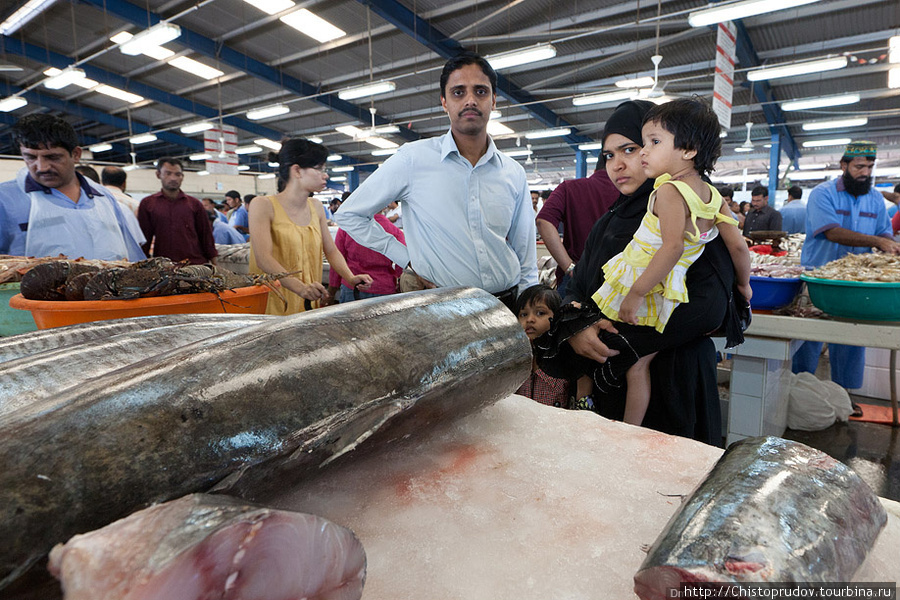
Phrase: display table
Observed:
(762, 364)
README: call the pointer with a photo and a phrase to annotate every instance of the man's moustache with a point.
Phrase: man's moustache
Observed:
(471, 110)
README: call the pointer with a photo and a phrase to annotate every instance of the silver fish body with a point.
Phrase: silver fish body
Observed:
(770, 511)
(35, 342)
(205, 546)
(300, 391)
(37, 381)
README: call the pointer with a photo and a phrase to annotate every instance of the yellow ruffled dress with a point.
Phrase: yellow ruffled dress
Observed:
(623, 270)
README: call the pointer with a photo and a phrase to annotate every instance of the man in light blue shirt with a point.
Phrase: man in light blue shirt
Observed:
(223, 233)
(844, 215)
(467, 211)
(793, 213)
(49, 209)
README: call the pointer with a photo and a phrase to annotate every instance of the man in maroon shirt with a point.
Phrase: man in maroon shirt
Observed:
(577, 204)
(176, 223)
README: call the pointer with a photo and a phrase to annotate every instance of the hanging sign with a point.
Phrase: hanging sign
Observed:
(220, 144)
(723, 84)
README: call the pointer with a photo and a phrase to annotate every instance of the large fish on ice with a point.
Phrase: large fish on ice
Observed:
(203, 546)
(34, 382)
(300, 391)
(770, 510)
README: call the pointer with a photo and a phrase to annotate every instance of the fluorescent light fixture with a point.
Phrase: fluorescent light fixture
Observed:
(517, 153)
(346, 169)
(247, 150)
(334, 158)
(266, 143)
(743, 149)
(381, 143)
(495, 128)
(197, 127)
(656, 99)
(315, 140)
(312, 25)
(202, 173)
(157, 35)
(547, 133)
(369, 89)
(338, 179)
(740, 10)
(131, 167)
(822, 143)
(814, 175)
(835, 124)
(199, 157)
(384, 152)
(495, 114)
(197, 68)
(22, 16)
(820, 102)
(894, 49)
(591, 146)
(98, 148)
(800, 68)
(243, 167)
(810, 166)
(145, 138)
(350, 130)
(274, 165)
(636, 82)
(386, 129)
(271, 7)
(605, 97)
(266, 176)
(158, 53)
(108, 90)
(65, 77)
(268, 111)
(894, 78)
(80, 82)
(121, 37)
(12, 103)
(723, 134)
(514, 58)
(592, 159)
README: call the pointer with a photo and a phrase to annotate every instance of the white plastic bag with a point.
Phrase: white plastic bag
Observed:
(815, 404)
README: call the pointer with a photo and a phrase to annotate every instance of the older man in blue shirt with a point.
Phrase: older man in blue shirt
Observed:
(844, 215)
(49, 209)
(467, 211)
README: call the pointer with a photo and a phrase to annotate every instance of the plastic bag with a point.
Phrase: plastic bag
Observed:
(815, 404)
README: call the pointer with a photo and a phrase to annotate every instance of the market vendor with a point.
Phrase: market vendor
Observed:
(844, 215)
(49, 209)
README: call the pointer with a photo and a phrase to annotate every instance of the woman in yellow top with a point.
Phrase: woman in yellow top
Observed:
(288, 231)
(645, 283)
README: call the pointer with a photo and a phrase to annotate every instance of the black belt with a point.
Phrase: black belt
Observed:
(508, 297)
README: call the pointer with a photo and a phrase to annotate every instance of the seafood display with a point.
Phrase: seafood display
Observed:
(770, 510)
(874, 267)
(33, 383)
(247, 410)
(790, 249)
(777, 271)
(242, 551)
(75, 281)
(13, 268)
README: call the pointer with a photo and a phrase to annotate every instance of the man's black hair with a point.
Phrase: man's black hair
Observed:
(726, 191)
(695, 127)
(44, 131)
(233, 194)
(88, 171)
(113, 176)
(168, 160)
(795, 192)
(760, 190)
(539, 292)
(462, 59)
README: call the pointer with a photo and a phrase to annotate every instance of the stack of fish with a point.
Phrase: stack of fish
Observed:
(247, 410)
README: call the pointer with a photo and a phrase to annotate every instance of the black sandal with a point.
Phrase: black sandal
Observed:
(857, 410)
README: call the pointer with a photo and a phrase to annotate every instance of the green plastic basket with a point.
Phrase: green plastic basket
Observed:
(13, 321)
(864, 300)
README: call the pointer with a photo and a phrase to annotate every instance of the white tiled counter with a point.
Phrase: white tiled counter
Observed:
(762, 364)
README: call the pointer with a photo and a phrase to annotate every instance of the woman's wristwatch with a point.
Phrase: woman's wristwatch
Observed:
(571, 268)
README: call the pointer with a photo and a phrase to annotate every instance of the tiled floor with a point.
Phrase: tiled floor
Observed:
(871, 449)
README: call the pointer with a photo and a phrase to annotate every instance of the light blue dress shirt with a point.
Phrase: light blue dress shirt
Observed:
(464, 225)
(15, 207)
(223, 233)
(793, 217)
(829, 206)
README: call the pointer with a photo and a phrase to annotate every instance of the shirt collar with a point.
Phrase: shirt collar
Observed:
(33, 186)
(448, 146)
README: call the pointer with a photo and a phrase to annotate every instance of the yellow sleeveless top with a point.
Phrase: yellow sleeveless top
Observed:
(622, 270)
(296, 248)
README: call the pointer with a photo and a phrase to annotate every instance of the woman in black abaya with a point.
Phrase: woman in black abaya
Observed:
(684, 399)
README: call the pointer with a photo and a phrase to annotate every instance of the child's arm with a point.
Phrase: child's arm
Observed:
(671, 211)
(740, 255)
